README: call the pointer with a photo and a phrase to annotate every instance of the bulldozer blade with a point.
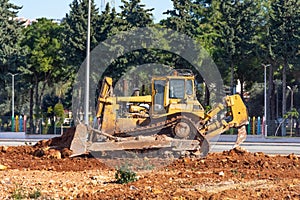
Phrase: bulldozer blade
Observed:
(241, 137)
(78, 145)
(205, 147)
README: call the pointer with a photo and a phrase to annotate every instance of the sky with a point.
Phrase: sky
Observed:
(57, 9)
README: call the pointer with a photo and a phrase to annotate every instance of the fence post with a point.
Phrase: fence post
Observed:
(17, 123)
(253, 125)
(258, 126)
(249, 126)
(12, 123)
(21, 123)
(24, 123)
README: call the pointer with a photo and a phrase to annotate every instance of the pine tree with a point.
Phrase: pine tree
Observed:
(75, 32)
(284, 38)
(108, 24)
(135, 14)
(181, 18)
(238, 31)
(10, 50)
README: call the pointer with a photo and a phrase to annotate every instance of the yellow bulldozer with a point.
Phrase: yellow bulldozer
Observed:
(171, 117)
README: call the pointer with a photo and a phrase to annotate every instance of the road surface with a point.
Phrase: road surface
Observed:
(267, 148)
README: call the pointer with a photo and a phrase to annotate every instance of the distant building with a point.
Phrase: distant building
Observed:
(28, 22)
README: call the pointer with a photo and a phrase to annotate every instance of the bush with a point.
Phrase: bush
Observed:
(125, 175)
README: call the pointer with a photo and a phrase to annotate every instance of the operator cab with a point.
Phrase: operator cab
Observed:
(176, 87)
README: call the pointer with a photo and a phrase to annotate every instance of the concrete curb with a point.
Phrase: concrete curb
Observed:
(257, 139)
(21, 136)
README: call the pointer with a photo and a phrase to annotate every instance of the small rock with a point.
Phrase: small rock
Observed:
(265, 164)
(132, 187)
(257, 154)
(292, 157)
(54, 154)
(94, 182)
(186, 160)
(221, 173)
(2, 167)
(39, 153)
(65, 153)
(4, 149)
(94, 177)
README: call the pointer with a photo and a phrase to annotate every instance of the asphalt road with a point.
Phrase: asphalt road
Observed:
(267, 148)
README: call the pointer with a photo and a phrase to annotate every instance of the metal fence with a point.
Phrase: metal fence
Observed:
(13, 124)
(274, 127)
(20, 124)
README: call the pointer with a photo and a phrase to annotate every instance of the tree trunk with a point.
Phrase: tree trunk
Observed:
(270, 97)
(242, 88)
(284, 95)
(31, 124)
(232, 78)
(36, 105)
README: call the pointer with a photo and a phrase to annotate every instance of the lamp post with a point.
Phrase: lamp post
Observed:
(87, 75)
(13, 93)
(292, 105)
(265, 100)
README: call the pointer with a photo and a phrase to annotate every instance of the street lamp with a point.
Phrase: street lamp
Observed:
(265, 99)
(292, 105)
(13, 93)
(87, 75)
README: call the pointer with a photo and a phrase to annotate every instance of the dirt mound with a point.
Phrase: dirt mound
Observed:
(44, 158)
(233, 174)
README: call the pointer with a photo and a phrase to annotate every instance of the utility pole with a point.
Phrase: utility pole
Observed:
(87, 72)
(13, 93)
(265, 100)
(292, 106)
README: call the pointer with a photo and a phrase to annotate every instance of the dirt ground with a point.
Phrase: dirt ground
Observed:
(27, 173)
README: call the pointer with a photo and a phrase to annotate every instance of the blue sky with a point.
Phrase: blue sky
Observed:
(57, 9)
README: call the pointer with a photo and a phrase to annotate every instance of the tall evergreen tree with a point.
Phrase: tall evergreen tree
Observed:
(284, 38)
(181, 18)
(10, 50)
(75, 32)
(108, 24)
(238, 30)
(135, 14)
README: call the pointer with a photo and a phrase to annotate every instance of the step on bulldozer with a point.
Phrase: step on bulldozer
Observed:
(171, 117)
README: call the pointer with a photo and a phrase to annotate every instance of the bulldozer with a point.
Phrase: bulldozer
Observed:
(170, 117)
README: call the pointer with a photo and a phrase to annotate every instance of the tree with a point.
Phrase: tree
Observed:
(10, 50)
(238, 31)
(134, 14)
(75, 32)
(109, 24)
(44, 63)
(284, 38)
(181, 18)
